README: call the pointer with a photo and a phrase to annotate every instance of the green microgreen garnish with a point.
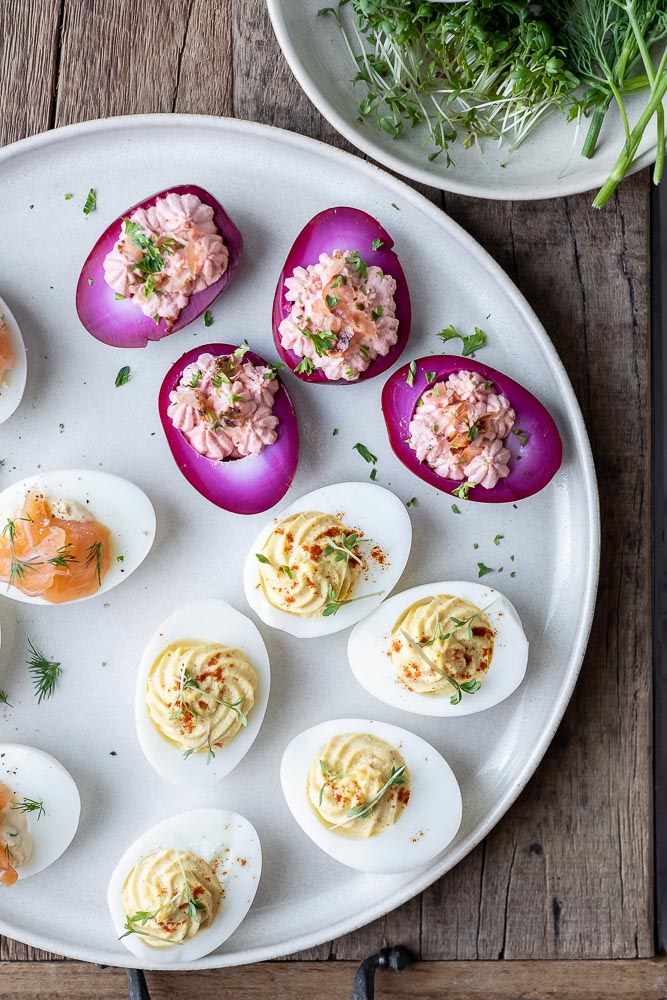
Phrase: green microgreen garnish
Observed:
(305, 366)
(195, 379)
(208, 318)
(412, 371)
(329, 779)
(497, 540)
(30, 805)
(367, 455)
(471, 342)
(45, 673)
(140, 919)
(263, 559)
(468, 687)
(358, 812)
(123, 376)
(483, 570)
(274, 368)
(344, 548)
(376, 244)
(334, 604)
(91, 202)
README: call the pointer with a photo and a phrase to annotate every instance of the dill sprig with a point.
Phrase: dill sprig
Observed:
(4, 699)
(63, 557)
(29, 806)
(45, 673)
(95, 556)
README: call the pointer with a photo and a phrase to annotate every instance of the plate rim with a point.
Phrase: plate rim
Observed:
(423, 878)
(515, 192)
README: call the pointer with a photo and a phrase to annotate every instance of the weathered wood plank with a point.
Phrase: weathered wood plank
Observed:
(568, 873)
(621, 980)
(28, 65)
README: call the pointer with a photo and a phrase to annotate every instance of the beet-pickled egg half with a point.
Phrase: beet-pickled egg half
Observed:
(470, 430)
(231, 427)
(157, 267)
(341, 311)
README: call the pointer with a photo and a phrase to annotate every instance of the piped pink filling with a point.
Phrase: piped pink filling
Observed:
(223, 407)
(460, 428)
(7, 359)
(343, 314)
(175, 251)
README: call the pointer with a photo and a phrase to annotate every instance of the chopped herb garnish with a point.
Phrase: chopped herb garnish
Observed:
(376, 244)
(331, 301)
(322, 342)
(364, 350)
(367, 455)
(208, 318)
(411, 503)
(475, 545)
(358, 263)
(118, 297)
(455, 509)
(262, 558)
(45, 673)
(329, 778)
(196, 378)
(473, 431)
(287, 571)
(334, 432)
(68, 196)
(377, 313)
(63, 557)
(305, 366)
(394, 205)
(497, 540)
(4, 700)
(373, 474)
(412, 371)
(429, 376)
(463, 490)
(91, 203)
(483, 570)
(337, 281)
(513, 573)
(523, 437)
(123, 376)
(471, 343)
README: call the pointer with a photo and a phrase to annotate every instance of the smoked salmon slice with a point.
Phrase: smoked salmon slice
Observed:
(7, 359)
(8, 874)
(59, 559)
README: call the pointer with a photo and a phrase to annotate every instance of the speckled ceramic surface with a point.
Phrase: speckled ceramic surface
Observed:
(547, 165)
(271, 183)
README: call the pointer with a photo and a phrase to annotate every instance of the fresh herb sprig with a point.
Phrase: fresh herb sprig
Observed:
(45, 673)
(329, 778)
(334, 604)
(27, 805)
(396, 777)
(468, 687)
(471, 342)
(344, 547)
(94, 558)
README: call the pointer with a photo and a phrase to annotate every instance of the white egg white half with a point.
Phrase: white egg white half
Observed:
(426, 826)
(33, 774)
(117, 503)
(12, 393)
(372, 509)
(208, 833)
(368, 649)
(209, 620)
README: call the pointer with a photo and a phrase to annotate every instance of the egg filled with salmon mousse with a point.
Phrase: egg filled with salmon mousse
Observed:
(202, 691)
(328, 559)
(73, 534)
(39, 812)
(373, 796)
(183, 887)
(13, 363)
(445, 649)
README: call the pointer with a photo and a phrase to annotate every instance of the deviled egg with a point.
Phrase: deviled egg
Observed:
(183, 887)
(446, 649)
(69, 535)
(328, 559)
(13, 363)
(202, 691)
(375, 797)
(39, 811)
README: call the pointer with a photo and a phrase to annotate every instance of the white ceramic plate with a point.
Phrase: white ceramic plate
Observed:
(271, 183)
(547, 165)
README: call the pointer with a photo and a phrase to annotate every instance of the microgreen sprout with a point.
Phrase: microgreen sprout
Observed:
(334, 604)
(329, 778)
(396, 777)
(344, 547)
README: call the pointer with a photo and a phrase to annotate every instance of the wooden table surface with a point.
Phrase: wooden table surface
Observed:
(568, 873)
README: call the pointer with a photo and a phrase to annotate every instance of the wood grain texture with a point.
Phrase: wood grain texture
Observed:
(622, 980)
(568, 872)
